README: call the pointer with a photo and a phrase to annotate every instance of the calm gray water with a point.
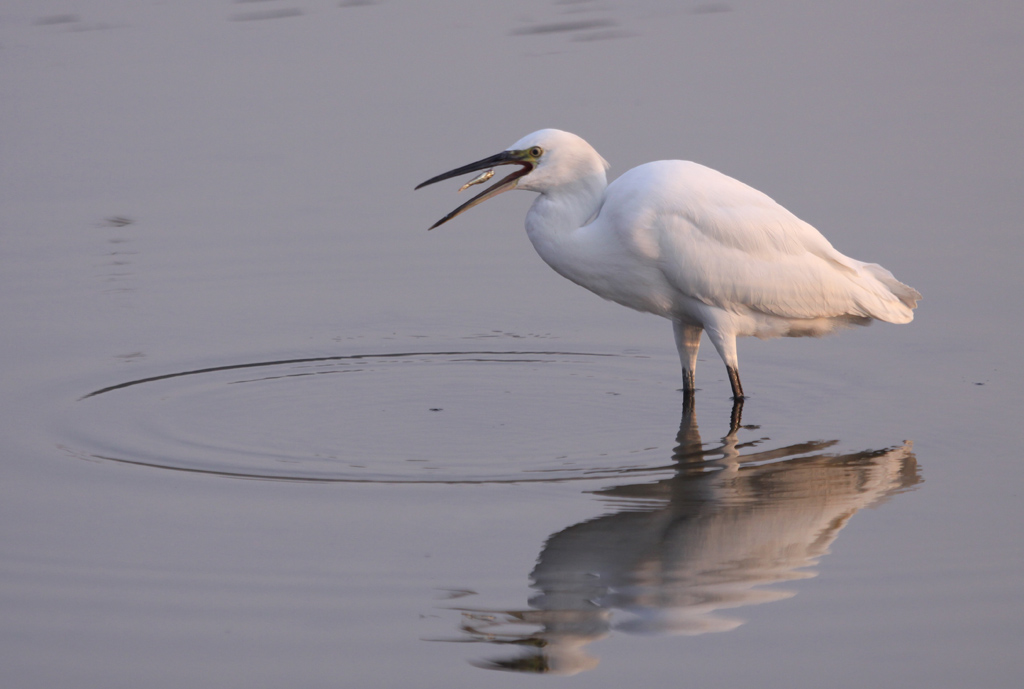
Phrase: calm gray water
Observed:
(260, 428)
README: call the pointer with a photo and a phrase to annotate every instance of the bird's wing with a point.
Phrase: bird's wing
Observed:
(730, 246)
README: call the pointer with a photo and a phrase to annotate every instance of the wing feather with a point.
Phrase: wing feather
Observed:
(733, 247)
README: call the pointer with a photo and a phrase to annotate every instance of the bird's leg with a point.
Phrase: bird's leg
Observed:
(734, 380)
(687, 343)
(724, 340)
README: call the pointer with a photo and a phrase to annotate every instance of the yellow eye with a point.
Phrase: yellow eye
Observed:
(536, 152)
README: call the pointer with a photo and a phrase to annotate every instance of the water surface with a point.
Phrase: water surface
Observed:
(260, 427)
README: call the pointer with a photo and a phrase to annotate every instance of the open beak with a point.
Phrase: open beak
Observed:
(509, 182)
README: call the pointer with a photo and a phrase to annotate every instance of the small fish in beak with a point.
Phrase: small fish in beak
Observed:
(479, 179)
(526, 160)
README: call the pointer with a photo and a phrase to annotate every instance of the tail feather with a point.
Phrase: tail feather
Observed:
(907, 296)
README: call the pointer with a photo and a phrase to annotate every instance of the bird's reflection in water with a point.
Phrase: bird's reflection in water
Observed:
(678, 552)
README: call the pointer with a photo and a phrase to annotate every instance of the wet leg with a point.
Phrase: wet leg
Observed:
(724, 341)
(687, 342)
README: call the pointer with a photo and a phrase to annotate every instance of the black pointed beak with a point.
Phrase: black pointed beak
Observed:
(508, 182)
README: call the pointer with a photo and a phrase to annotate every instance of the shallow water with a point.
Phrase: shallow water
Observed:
(261, 428)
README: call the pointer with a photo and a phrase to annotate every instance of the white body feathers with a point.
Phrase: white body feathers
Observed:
(702, 249)
(682, 241)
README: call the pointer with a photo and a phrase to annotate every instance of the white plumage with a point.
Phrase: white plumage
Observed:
(685, 242)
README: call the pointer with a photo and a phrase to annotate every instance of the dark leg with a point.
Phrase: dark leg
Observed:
(724, 339)
(689, 384)
(687, 342)
(734, 380)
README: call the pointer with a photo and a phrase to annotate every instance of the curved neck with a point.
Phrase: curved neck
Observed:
(554, 221)
(562, 209)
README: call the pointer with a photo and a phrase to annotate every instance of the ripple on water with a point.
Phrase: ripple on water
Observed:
(475, 416)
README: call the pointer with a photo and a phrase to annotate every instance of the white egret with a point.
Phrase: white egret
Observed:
(685, 242)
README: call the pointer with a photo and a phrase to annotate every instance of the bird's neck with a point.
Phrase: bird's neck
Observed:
(554, 224)
(559, 211)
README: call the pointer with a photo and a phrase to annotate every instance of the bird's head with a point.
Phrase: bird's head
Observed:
(546, 159)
